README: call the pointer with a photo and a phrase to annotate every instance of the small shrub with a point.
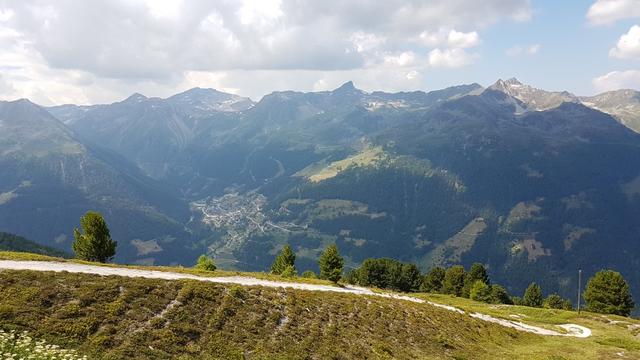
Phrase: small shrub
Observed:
(309, 275)
(238, 292)
(205, 263)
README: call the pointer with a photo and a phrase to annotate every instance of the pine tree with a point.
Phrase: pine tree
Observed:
(477, 273)
(532, 296)
(499, 295)
(289, 272)
(331, 264)
(555, 301)
(432, 282)
(480, 292)
(608, 293)
(94, 243)
(285, 259)
(453, 280)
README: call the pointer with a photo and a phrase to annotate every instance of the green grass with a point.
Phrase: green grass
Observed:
(123, 318)
(611, 334)
(120, 318)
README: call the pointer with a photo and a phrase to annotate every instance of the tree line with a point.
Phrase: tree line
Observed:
(606, 292)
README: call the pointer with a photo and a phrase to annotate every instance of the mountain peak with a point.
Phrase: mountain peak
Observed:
(513, 81)
(206, 99)
(534, 98)
(136, 97)
(505, 84)
(346, 87)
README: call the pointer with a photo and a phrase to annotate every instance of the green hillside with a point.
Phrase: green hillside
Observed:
(122, 318)
(10, 242)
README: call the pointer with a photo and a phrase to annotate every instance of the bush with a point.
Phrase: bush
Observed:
(555, 301)
(351, 277)
(309, 275)
(516, 300)
(532, 296)
(453, 280)
(432, 282)
(480, 292)
(608, 293)
(205, 263)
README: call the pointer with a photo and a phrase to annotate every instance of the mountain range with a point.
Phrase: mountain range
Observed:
(521, 179)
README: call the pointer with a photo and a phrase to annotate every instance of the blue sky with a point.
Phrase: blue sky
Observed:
(75, 51)
(572, 51)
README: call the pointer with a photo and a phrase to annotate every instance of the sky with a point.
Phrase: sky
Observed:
(100, 51)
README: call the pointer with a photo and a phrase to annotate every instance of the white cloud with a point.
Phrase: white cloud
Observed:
(458, 39)
(404, 59)
(615, 80)
(363, 42)
(604, 12)
(90, 51)
(523, 50)
(628, 46)
(450, 38)
(451, 58)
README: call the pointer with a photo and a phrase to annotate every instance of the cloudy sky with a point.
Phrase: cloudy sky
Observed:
(85, 52)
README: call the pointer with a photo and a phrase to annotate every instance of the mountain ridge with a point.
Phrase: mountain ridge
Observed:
(458, 175)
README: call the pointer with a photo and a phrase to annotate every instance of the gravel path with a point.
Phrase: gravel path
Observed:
(572, 330)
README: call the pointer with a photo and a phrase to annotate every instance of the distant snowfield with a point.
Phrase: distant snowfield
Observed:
(572, 330)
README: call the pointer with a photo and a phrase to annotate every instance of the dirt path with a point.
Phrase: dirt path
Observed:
(572, 330)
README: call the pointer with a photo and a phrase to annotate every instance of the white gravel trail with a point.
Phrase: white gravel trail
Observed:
(572, 330)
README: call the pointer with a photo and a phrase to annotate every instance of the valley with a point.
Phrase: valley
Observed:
(509, 175)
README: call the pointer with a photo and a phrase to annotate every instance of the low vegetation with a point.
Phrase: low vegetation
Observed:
(123, 318)
(205, 263)
(19, 345)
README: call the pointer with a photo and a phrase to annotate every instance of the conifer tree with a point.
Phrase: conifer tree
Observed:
(532, 296)
(432, 282)
(555, 301)
(477, 273)
(285, 258)
(608, 293)
(480, 291)
(453, 280)
(331, 264)
(94, 243)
